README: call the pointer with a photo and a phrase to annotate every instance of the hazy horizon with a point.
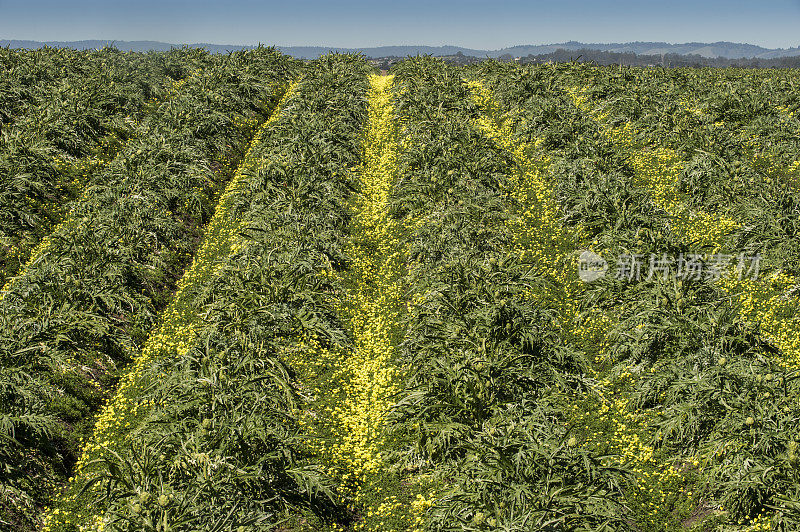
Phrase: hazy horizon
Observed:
(390, 45)
(361, 24)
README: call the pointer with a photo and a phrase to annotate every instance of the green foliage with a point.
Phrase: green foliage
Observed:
(75, 316)
(481, 411)
(218, 433)
(733, 129)
(84, 106)
(517, 415)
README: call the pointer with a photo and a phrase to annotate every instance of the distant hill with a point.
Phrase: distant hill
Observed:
(302, 52)
(727, 50)
(134, 46)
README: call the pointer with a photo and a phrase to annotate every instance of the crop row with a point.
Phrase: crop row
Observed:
(356, 386)
(29, 77)
(757, 324)
(383, 326)
(75, 316)
(206, 432)
(70, 133)
(479, 346)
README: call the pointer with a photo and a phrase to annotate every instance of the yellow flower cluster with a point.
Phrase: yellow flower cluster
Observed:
(769, 301)
(176, 334)
(178, 85)
(371, 305)
(420, 505)
(760, 523)
(611, 427)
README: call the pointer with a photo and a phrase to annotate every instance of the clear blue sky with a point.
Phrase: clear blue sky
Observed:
(483, 24)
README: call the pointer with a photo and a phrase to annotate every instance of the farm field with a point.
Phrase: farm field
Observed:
(248, 292)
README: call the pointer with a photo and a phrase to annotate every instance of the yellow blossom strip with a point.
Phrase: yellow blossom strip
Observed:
(532, 189)
(540, 236)
(70, 223)
(370, 305)
(178, 330)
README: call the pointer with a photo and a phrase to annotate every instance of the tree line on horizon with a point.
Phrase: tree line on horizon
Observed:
(604, 58)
